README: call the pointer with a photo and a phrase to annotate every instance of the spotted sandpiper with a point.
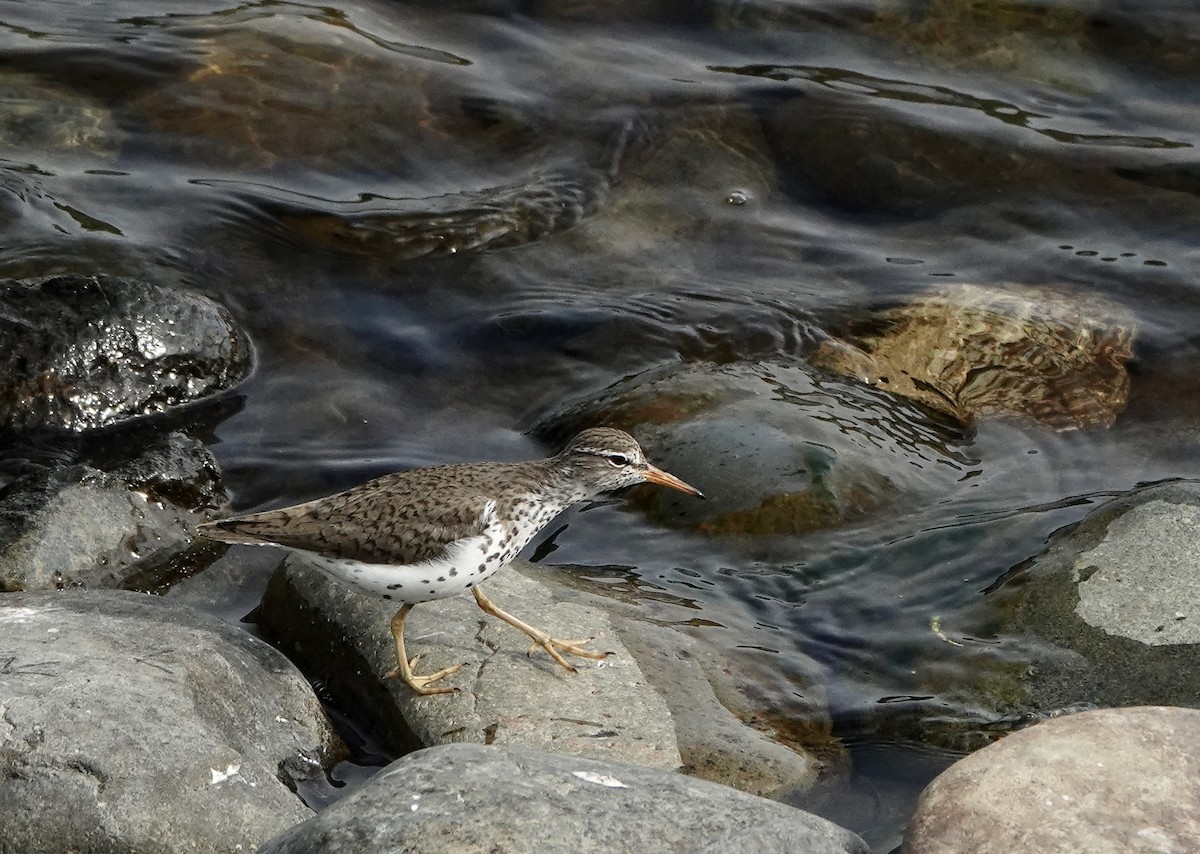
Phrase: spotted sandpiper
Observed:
(429, 533)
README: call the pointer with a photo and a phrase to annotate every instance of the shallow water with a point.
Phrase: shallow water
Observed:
(441, 221)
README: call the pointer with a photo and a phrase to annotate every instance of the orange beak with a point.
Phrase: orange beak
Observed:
(657, 475)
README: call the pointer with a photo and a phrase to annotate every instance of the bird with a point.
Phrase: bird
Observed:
(429, 533)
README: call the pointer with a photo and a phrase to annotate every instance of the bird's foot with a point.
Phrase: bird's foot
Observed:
(540, 638)
(570, 647)
(419, 684)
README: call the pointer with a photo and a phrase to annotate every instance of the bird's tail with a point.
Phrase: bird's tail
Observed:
(237, 531)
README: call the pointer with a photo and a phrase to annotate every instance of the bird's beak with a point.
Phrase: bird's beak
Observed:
(657, 475)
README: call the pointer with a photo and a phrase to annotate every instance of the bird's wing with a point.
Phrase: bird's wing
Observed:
(365, 523)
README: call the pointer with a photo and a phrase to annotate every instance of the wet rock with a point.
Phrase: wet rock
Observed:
(79, 525)
(1118, 591)
(470, 797)
(231, 587)
(970, 351)
(83, 352)
(778, 448)
(342, 638)
(1105, 616)
(128, 723)
(1106, 780)
(724, 734)
(609, 711)
(713, 743)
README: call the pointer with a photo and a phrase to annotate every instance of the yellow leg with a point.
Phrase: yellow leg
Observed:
(404, 664)
(540, 638)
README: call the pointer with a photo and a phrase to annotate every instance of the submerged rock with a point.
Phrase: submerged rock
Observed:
(778, 448)
(970, 351)
(697, 175)
(1106, 780)
(475, 798)
(43, 120)
(129, 723)
(83, 352)
(287, 91)
(287, 88)
(1047, 44)
(726, 732)
(541, 203)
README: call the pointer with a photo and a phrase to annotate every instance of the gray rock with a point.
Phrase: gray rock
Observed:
(1105, 616)
(129, 723)
(714, 744)
(607, 709)
(724, 735)
(1117, 592)
(475, 798)
(1139, 581)
(1105, 780)
(78, 525)
(82, 352)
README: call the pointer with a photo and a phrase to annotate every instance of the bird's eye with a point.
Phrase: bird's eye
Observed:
(617, 460)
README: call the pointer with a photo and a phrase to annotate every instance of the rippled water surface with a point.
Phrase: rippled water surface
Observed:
(441, 222)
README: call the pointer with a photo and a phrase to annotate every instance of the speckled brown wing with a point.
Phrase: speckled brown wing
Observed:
(400, 518)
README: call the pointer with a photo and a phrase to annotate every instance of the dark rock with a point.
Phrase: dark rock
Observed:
(129, 723)
(80, 525)
(880, 162)
(1106, 780)
(475, 798)
(83, 352)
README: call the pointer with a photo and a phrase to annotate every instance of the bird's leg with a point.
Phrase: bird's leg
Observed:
(540, 638)
(404, 664)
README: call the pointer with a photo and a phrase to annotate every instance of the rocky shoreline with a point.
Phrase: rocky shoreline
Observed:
(131, 722)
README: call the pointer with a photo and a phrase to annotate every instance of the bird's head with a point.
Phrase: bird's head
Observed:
(607, 458)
